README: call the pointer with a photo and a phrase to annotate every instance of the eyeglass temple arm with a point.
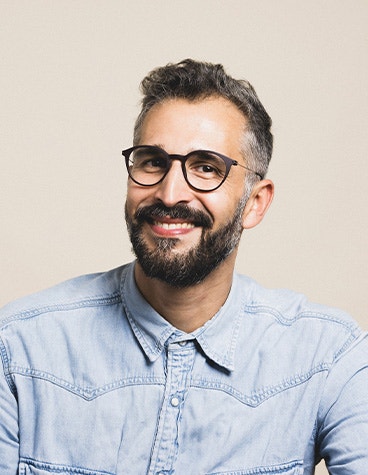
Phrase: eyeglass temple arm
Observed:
(236, 163)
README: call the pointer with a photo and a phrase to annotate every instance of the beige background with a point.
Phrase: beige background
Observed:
(69, 94)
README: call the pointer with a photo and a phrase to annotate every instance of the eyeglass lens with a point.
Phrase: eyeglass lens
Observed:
(204, 170)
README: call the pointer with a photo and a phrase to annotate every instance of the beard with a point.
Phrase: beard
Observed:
(189, 267)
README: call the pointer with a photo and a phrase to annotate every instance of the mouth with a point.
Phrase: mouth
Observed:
(168, 227)
(173, 225)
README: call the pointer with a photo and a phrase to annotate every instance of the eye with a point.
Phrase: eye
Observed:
(148, 161)
(205, 165)
(154, 162)
(206, 168)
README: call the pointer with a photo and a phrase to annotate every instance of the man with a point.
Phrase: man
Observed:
(173, 364)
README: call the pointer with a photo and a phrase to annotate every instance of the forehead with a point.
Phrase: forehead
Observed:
(212, 123)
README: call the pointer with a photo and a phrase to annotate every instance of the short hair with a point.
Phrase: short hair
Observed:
(194, 80)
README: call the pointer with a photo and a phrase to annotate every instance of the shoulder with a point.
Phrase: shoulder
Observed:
(288, 307)
(82, 291)
(297, 325)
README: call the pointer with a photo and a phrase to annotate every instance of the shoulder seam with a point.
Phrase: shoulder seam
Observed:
(89, 302)
(352, 326)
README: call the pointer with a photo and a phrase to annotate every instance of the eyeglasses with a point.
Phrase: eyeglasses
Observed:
(203, 170)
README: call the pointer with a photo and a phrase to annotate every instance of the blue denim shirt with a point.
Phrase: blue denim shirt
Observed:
(95, 382)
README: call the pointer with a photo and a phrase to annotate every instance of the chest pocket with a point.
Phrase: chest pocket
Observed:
(40, 468)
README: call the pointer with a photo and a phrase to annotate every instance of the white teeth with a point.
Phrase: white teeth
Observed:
(174, 225)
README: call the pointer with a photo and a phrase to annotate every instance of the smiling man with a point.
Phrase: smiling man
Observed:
(185, 225)
(173, 364)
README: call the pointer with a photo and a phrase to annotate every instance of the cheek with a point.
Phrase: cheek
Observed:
(131, 204)
(223, 203)
(136, 196)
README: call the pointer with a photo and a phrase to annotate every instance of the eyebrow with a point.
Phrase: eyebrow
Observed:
(159, 145)
(190, 151)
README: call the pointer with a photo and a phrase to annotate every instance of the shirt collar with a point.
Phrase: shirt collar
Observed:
(217, 338)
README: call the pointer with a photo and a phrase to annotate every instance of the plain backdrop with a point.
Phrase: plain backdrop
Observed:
(70, 72)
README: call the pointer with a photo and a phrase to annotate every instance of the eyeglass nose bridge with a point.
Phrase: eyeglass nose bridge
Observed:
(182, 159)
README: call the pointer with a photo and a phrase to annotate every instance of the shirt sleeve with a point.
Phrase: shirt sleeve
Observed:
(9, 440)
(343, 415)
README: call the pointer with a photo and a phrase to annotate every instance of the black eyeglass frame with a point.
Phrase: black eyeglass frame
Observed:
(229, 162)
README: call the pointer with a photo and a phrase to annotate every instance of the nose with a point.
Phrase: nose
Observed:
(173, 189)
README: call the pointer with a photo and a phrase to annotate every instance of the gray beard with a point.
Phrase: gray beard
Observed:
(188, 268)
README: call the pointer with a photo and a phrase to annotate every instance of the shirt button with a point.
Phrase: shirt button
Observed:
(183, 343)
(175, 401)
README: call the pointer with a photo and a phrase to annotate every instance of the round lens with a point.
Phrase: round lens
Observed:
(147, 165)
(205, 170)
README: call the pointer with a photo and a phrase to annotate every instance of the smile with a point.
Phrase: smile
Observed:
(184, 225)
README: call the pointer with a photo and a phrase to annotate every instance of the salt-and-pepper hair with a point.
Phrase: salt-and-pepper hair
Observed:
(195, 80)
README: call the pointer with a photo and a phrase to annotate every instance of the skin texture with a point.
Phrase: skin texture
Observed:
(180, 126)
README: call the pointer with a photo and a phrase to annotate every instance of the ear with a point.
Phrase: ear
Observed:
(258, 203)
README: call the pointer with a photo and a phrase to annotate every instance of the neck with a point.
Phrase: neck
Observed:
(188, 308)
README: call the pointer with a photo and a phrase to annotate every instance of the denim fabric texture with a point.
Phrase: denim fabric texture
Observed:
(95, 382)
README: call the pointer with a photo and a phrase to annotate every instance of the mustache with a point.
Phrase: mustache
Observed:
(179, 211)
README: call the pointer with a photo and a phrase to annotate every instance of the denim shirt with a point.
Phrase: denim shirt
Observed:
(95, 382)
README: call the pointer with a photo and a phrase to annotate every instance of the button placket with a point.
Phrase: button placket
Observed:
(180, 360)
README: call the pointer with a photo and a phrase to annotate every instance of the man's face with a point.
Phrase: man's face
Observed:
(180, 235)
